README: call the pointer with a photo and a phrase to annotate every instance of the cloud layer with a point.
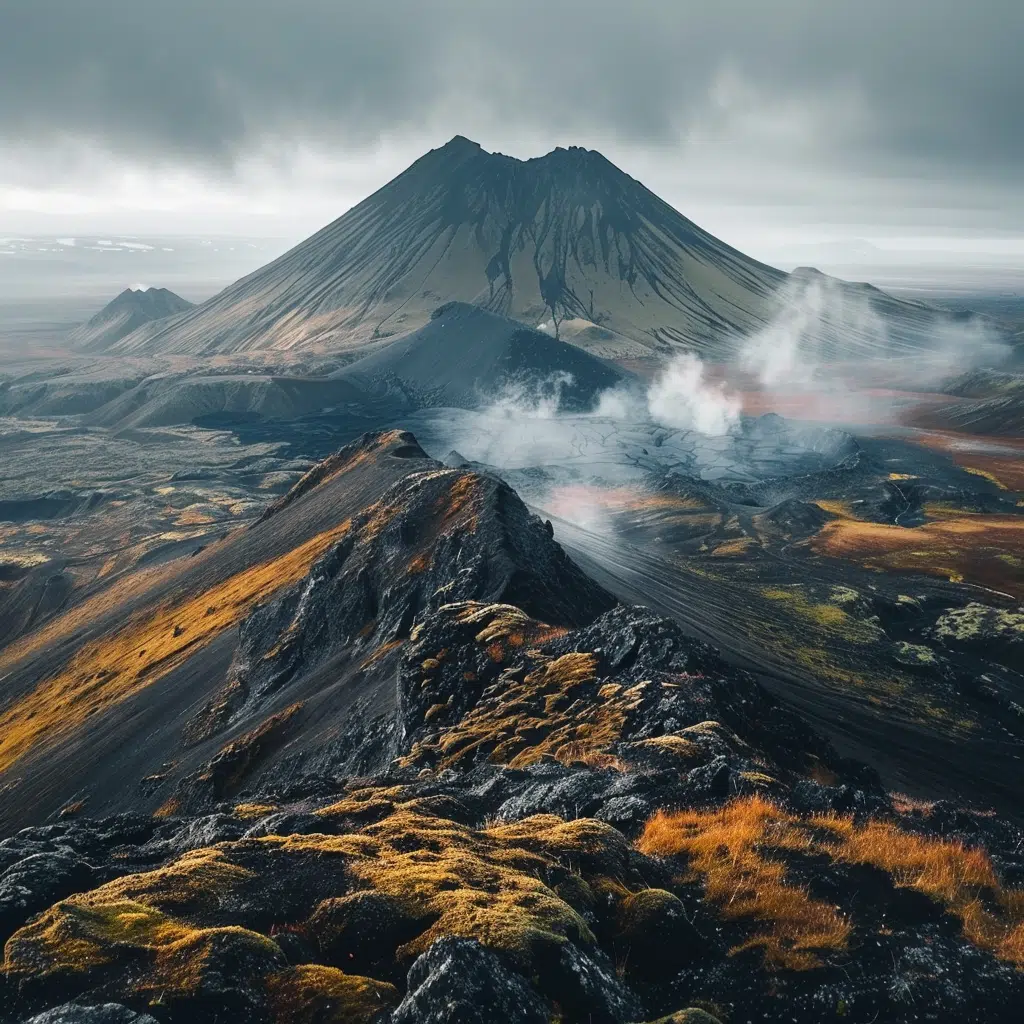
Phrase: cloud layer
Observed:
(802, 95)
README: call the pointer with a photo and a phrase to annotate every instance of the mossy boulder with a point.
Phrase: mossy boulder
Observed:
(994, 632)
(315, 994)
(655, 935)
(363, 931)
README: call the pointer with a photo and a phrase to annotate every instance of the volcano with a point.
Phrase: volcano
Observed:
(567, 237)
(565, 240)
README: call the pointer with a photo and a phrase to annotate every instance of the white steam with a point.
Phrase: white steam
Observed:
(533, 400)
(682, 397)
(828, 334)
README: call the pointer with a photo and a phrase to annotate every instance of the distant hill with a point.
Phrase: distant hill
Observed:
(132, 309)
(464, 355)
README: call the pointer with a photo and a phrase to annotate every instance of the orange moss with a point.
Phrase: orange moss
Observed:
(249, 812)
(419, 563)
(460, 499)
(113, 668)
(734, 547)
(1004, 470)
(314, 994)
(836, 508)
(118, 594)
(170, 807)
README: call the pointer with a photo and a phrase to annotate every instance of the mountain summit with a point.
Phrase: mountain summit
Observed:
(563, 237)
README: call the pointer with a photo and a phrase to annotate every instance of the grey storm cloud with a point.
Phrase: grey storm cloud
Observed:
(205, 80)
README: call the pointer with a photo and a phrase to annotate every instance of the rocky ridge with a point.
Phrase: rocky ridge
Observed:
(566, 809)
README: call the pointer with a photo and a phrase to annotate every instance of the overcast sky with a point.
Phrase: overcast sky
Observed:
(777, 124)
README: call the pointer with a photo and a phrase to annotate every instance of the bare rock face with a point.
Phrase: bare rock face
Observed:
(458, 979)
(106, 1013)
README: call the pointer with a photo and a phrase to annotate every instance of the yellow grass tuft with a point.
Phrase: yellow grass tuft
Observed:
(727, 850)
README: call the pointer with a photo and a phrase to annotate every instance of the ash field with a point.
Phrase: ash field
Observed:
(513, 599)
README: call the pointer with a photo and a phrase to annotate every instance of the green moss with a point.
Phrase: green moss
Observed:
(978, 622)
(832, 616)
(915, 655)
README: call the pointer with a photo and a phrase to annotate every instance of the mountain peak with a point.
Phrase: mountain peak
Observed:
(460, 142)
(133, 308)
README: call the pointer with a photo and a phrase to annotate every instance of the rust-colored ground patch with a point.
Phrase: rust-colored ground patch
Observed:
(999, 459)
(111, 669)
(982, 549)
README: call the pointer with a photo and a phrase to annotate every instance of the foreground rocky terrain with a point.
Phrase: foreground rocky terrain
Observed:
(405, 762)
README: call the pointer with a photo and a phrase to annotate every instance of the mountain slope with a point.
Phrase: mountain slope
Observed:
(308, 604)
(131, 310)
(567, 232)
(566, 237)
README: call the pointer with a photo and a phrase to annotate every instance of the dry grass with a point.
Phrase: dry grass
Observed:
(119, 594)
(459, 505)
(112, 669)
(589, 754)
(727, 850)
(380, 653)
(957, 546)
(252, 811)
(733, 548)
(843, 509)
(737, 852)
(505, 628)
